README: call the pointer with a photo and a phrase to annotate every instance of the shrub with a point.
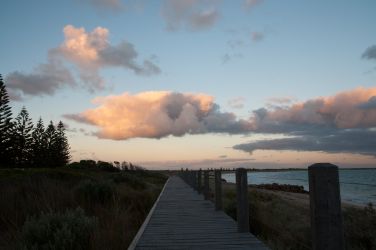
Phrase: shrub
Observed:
(60, 231)
(96, 192)
(360, 227)
(129, 179)
(106, 166)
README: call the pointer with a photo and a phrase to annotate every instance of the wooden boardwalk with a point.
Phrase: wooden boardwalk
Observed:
(182, 219)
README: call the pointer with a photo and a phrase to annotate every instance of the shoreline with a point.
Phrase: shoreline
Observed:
(302, 198)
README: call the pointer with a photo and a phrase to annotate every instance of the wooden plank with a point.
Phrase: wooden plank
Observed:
(182, 219)
(143, 226)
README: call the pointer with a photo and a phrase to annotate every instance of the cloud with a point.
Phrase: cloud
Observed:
(257, 36)
(237, 103)
(89, 53)
(249, 4)
(338, 111)
(46, 79)
(370, 53)
(92, 51)
(191, 14)
(107, 5)
(281, 100)
(230, 56)
(359, 141)
(370, 104)
(158, 114)
(344, 122)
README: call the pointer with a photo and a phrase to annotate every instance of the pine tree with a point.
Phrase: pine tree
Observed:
(61, 146)
(50, 137)
(5, 127)
(22, 139)
(39, 148)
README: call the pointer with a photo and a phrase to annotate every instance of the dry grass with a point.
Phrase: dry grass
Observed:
(285, 223)
(120, 212)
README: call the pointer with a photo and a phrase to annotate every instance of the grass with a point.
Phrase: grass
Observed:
(285, 224)
(118, 202)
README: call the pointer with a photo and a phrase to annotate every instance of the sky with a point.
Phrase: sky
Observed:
(198, 83)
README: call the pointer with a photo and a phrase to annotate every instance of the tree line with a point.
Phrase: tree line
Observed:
(25, 145)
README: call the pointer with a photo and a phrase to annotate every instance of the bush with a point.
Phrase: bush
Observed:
(360, 227)
(96, 192)
(60, 231)
(129, 179)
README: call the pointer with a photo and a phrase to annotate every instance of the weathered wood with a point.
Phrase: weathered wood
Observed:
(199, 182)
(218, 189)
(325, 203)
(195, 184)
(143, 226)
(206, 184)
(242, 200)
(182, 219)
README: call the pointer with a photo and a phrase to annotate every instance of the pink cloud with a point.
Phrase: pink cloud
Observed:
(157, 114)
(341, 110)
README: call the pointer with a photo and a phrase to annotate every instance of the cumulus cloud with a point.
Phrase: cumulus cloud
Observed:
(237, 103)
(46, 79)
(370, 104)
(190, 14)
(92, 51)
(89, 52)
(344, 122)
(158, 114)
(370, 53)
(338, 111)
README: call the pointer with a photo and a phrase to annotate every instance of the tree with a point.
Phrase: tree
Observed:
(39, 145)
(61, 146)
(22, 139)
(124, 166)
(5, 127)
(50, 137)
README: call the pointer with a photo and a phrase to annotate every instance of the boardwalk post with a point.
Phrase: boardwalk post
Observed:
(325, 203)
(199, 183)
(192, 178)
(218, 189)
(242, 200)
(196, 179)
(206, 184)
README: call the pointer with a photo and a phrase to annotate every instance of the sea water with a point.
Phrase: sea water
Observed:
(357, 185)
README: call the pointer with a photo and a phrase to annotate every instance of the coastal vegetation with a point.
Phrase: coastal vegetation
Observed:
(282, 219)
(74, 207)
(46, 203)
(25, 145)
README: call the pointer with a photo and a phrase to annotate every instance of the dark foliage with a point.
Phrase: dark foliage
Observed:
(23, 145)
(5, 126)
(90, 164)
(69, 230)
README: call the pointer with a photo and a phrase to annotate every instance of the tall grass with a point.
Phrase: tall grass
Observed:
(119, 207)
(285, 224)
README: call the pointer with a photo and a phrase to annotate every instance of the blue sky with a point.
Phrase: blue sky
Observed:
(252, 51)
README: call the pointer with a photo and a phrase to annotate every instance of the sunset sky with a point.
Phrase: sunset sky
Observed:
(198, 83)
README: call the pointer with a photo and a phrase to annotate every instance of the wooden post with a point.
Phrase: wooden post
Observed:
(242, 200)
(199, 183)
(196, 180)
(325, 203)
(218, 189)
(206, 184)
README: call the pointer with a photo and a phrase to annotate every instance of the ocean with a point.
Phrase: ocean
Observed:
(356, 185)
